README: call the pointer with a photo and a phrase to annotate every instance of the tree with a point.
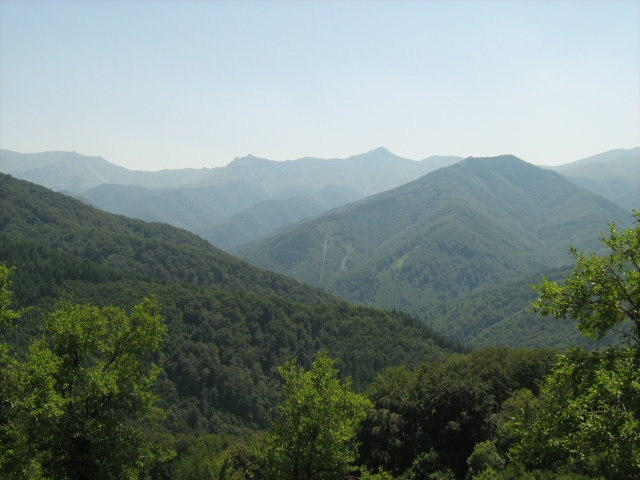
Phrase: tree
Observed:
(73, 409)
(589, 411)
(313, 435)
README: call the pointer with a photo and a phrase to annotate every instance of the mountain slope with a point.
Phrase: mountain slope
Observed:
(598, 158)
(369, 172)
(249, 180)
(220, 356)
(499, 315)
(617, 179)
(188, 207)
(263, 218)
(73, 172)
(159, 251)
(479, 222)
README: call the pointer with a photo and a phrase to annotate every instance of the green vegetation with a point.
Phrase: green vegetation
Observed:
(134, 247)
(220, 357)
(199, 198)
(74, 407)
(429, 419)
(589, 408)
(123, 369)
(312, 436)
(500, 315)
(617, 179)
(480, 222)
(263, 218)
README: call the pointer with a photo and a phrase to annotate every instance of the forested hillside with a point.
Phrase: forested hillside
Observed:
(263, 218)
(501, 315)
(483, 221)
(28, 211)
(617, 179)
(220, 354)
(202, 199)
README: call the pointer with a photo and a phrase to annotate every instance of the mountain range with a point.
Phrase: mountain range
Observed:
(479, 222)
(252, 197)
(201, 199)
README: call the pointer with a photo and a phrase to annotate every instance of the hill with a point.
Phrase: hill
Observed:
(220, 356)
(159, 251)
(598, 158)
(263, 218)
(499, 315)
(73, 172)
(249, 180)
(480, 222)
(617, 179)
(188, 207)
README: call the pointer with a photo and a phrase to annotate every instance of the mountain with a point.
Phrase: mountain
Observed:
(159, 251)
(203, 205)
(498, 315)
(188, 207)
(617, 179)
(599, 158)
(263, 218)
(73, 172)
(370, 172)
(220, 356)
(480, 222)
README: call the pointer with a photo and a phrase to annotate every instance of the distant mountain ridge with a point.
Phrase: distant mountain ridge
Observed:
(482, 221)
(617, 179)
(215, 195)
(72, 172)
(598, 158)
(252, 197)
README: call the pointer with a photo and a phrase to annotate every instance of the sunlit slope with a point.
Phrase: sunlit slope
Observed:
(219, 359)
(159, 251)
(480, 222)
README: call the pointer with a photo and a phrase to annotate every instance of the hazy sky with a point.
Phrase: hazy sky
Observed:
(151, 85)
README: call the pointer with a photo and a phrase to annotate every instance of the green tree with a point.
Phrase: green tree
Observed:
(313, 434)
(74, 408)
(589, 411)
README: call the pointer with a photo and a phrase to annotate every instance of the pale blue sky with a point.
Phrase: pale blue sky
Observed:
(151, 85)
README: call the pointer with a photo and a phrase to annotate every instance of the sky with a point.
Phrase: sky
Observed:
(151, 85)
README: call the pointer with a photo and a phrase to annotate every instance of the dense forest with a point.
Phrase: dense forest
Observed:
(113, 339)
(477, 223)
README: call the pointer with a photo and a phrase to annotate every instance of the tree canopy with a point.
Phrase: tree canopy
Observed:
(312, 437)
(589, 411)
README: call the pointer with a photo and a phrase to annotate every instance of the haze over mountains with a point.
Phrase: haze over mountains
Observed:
(199, 199)
(449, 246)
(252, 197)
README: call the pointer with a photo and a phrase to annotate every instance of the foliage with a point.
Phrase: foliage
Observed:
(589, 411)
(159, 251)
(499, 315)
(219, 361)
(83, 393)
(445, 407)
(480, 222)
(484, 456)
(603, 291)
(313, 434)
